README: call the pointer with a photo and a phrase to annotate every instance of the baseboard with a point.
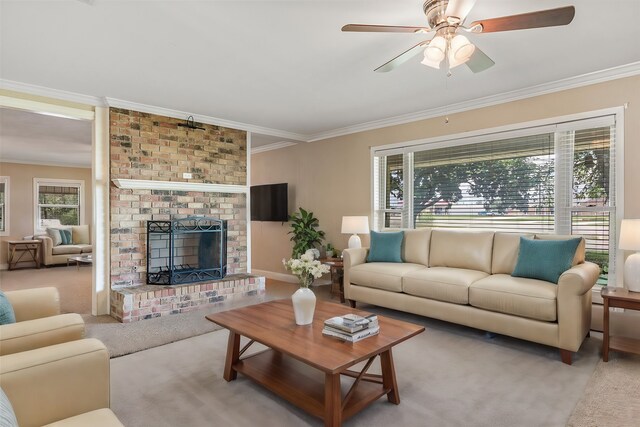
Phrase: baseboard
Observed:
(4, 266)
(289, 278)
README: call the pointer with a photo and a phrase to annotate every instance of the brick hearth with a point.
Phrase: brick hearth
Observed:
(130, 304)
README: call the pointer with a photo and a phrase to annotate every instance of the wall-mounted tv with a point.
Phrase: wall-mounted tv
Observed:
(270, 202)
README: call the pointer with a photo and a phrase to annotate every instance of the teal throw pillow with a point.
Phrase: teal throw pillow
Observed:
(6, 310)
(545, 259)
(54, 233)
(386, 247)
(65, 235)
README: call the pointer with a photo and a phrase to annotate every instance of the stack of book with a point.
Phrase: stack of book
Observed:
(351, 327)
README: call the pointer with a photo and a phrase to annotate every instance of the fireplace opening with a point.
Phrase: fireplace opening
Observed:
(187, 250)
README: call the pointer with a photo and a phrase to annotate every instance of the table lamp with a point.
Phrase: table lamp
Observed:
(630, 241)
(354, 225)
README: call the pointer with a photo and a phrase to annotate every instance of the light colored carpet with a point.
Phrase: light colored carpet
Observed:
(612, 396)
(447, 376)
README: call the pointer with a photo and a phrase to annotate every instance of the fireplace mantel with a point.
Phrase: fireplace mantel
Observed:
(146, 184)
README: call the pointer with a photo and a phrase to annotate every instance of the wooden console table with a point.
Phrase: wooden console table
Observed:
(337, 268)
(621, 298)
(18, 249)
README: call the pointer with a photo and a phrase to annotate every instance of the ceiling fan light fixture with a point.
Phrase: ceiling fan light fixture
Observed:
(433, 64)
(461, 48)
(435, 52)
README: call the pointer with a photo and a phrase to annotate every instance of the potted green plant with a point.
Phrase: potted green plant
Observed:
(305, 233)
(329, 250)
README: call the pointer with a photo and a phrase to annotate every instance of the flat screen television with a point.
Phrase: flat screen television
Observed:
(270, 202)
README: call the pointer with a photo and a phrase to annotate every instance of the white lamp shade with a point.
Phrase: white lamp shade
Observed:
(355, 224)
(436, 49)
(432, 64)
(630, 235)
(461, 48)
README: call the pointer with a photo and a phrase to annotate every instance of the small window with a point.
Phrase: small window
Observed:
(4, 205)
(58, 202)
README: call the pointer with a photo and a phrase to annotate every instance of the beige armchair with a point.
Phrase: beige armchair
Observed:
(38, 321)
(64, 385)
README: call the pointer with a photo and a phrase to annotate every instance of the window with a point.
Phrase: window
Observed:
(4, 205)
(547, 179)
(58, 201)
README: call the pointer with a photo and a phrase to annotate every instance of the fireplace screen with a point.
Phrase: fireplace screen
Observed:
(188, 250)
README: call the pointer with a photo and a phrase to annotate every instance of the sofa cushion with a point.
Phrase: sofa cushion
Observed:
(7, 315)
(85, 249)
(461, 249)
(99, 418)
(415, 248)
(545, 259)
(80, 234)
(532, 298)
(441, 283)
(66, 249)
(386, 247)
(381, 275)
(580, 251)
(505, 252)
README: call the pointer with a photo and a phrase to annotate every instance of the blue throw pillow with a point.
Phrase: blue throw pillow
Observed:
(545, 259)
(65, 235)
(6, 310)
(386, 247)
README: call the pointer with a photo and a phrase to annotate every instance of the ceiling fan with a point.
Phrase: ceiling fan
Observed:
(449, 47)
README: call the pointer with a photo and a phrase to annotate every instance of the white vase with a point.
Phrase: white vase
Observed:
(304, 304)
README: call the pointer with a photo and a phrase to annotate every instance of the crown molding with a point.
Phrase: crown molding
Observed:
(144, 184)
(63, 95)
(46, 163)
(272, 146)
(595, 77)
(177, 114)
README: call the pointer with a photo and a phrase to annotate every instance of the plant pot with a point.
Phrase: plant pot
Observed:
(304, 305)
(329, 254)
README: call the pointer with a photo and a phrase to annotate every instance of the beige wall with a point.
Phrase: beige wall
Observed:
(21, 214)
(333, 177)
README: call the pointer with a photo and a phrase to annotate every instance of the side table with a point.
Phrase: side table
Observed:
(622, 298)
(19, 248)
(337, 269)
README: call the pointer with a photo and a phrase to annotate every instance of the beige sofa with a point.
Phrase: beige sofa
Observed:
(38, 321)
(53, 255)
(63, 385)
(465, 277)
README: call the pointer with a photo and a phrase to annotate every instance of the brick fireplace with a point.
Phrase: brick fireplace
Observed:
(154, 150)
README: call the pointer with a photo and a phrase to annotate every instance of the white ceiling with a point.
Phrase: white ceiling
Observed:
(286, 65)
(27, 137)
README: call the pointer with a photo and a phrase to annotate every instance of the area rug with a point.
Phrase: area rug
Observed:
(447, 376)
(612, 396)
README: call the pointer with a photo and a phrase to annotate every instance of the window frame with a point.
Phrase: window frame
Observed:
(6, 181)
(553, 124)
(56, 182)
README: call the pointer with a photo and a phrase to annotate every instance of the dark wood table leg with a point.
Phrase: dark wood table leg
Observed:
(332, 400)
(389, 377)
(233, 355)
(605, 332)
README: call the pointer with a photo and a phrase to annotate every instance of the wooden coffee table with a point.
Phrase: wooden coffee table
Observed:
(305, 367)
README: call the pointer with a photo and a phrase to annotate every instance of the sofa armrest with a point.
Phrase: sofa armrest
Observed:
(35, 303)
(56, 382)
(351, 258)
(574, 304)
(37, 333)
(47, 249)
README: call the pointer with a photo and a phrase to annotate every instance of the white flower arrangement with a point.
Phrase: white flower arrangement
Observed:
(306, 268)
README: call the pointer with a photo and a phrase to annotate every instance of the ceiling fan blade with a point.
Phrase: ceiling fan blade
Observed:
(365, 28)
(479, 61)
(459, 8)
(402, 58)
(542, 18)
